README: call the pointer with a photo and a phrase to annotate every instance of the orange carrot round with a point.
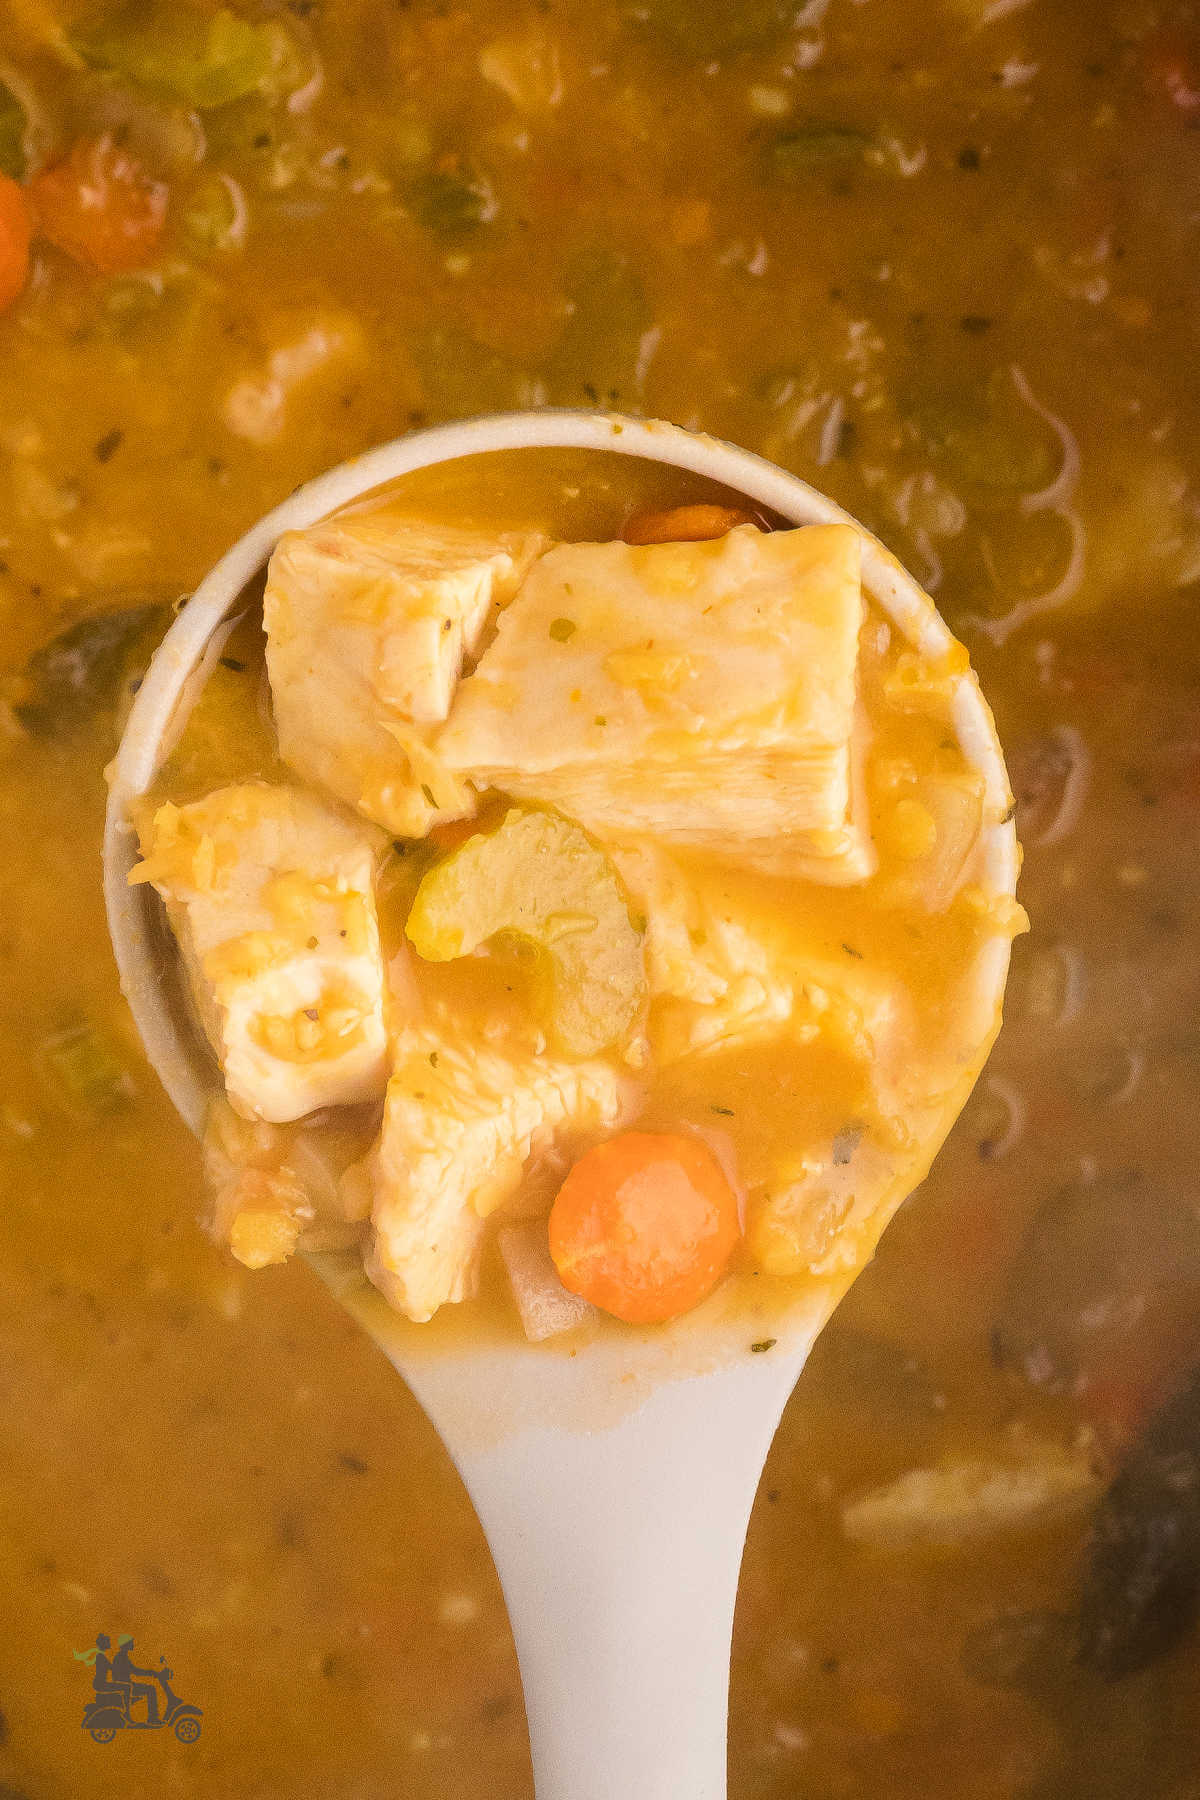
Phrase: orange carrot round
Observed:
(644, 1225)
(100, 207)
(14, 242)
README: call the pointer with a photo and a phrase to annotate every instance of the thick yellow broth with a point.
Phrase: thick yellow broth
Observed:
(221, 1464)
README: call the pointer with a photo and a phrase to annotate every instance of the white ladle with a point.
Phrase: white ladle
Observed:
(614, 1483)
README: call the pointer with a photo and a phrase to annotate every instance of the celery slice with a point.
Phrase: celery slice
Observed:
(203, 61)
(541, 880)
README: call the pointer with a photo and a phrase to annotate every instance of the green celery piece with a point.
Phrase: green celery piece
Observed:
(541, 880)
(205, 62)
(210, 215)
(700, 29)
(453, 204)
(984, 447)
(85, 1069)
(12, 134)
(817, 145)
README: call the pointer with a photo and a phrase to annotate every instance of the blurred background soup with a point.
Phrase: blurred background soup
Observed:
(942, 263)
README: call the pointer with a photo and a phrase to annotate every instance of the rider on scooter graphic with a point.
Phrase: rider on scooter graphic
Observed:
(119, 1684)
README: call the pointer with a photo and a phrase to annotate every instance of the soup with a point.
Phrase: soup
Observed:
(940, 267)
(686, 896)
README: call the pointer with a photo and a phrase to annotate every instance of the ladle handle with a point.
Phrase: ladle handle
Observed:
(619, 1551)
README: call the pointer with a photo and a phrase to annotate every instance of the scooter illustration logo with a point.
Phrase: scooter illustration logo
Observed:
(127, 1698)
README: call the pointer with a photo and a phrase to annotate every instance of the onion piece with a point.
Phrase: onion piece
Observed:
(546, 1307)
(1000, 1143)
(1051, 787)
(1056, 497)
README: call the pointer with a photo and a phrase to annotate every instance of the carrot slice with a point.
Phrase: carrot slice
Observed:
(100, 207)
(644, 1226)
(684, 524)
(14, 242)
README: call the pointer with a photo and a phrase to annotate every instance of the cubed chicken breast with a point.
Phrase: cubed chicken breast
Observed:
(461, 1121)
(270, 893)
(369, 618)
(1031, 1482)
(701, 693)
(723, 972)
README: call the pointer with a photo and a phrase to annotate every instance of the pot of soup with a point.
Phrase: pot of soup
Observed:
(937, 268)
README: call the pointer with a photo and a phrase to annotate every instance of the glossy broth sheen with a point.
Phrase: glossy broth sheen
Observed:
(941, 262)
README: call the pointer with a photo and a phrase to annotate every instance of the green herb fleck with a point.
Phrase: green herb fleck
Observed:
(428, 793)
(851, 951)
(562, 629)
(600, 719)
(726, 1112)
(433, 1059)
(762, 1346)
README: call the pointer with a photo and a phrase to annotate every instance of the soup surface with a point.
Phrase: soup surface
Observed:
(942, 264)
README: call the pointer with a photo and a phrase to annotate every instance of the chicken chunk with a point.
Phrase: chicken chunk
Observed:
(722, 973)
(1033, 1482)
(460, 1123)
(369, 618)
(702, 693)
(270, 893)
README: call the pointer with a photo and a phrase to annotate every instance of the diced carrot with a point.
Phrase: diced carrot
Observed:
(684, 524)
(101, 207)
(644, 1226)
(14, 242)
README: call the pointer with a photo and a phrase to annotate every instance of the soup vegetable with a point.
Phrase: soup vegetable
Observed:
(941, 263)
(669, 969)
